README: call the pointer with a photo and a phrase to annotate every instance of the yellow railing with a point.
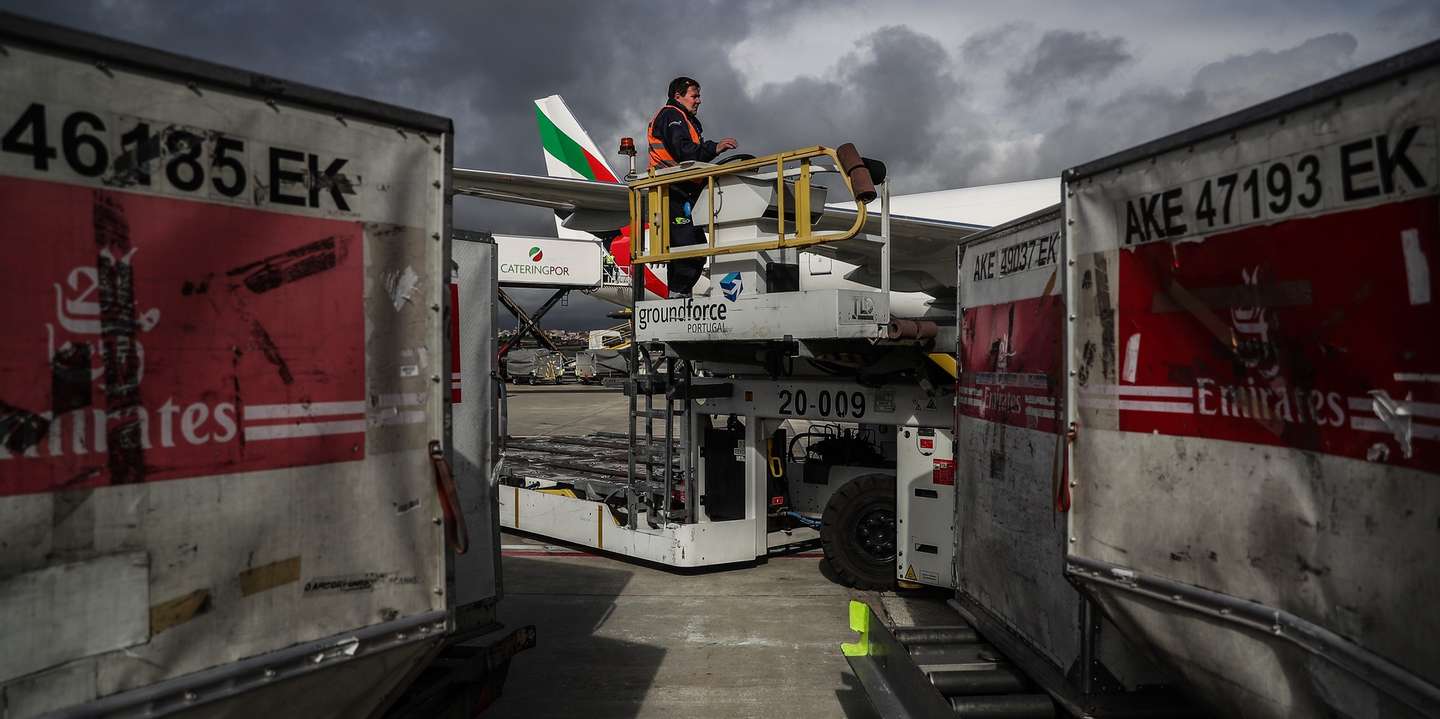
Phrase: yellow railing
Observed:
(653, 193)
(623, 341)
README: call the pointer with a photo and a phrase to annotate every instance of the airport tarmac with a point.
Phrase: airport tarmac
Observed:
(565, 409)
(618, 638)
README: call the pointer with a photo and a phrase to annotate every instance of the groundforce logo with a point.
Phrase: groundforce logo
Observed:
(688, 312)
(732, 286)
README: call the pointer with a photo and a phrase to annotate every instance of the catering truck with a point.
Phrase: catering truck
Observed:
(228, 479)
(1198, 429)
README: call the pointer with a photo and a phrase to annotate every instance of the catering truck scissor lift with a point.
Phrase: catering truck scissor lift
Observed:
(764, 414)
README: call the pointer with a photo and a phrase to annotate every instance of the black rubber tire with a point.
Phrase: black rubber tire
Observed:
(858, 499)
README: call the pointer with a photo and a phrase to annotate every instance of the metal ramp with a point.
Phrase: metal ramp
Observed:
(974, 669)
(595, 465)
(938, 672)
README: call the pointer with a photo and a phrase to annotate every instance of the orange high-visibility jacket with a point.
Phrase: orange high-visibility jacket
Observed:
(659, 156)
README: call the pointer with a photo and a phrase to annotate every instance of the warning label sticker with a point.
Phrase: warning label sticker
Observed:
(148, 338)
(944, 472)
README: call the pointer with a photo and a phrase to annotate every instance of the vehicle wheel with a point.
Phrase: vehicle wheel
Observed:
(857, 532)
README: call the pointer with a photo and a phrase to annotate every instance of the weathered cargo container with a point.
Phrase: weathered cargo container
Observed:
(224, 437)
(1198, 429)
(1254, 395)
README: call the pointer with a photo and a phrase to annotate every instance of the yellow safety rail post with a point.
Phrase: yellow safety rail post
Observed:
(859, 622)
(652, 193)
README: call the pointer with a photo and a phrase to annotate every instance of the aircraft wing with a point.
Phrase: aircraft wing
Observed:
(922, 255)
(922, 259)
(588, 205)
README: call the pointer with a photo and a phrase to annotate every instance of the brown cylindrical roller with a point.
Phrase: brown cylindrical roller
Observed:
(912, 329)
(854, 166)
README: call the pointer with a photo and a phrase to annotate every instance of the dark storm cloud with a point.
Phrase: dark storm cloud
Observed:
(1063, 57)
(892, 96)
(1412, 23)
(1093, 130)
(984, 48)
(1246, 79)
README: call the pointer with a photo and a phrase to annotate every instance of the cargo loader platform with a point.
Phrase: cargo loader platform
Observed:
(573, 489)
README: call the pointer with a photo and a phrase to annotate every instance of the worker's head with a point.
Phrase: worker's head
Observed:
(686, 91)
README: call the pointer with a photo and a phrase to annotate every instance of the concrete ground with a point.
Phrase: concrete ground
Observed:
(617, 638)
(565, 409)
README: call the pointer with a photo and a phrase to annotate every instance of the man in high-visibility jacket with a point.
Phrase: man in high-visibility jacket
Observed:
(674, 137)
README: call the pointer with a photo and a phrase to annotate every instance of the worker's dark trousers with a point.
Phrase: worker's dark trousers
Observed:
(683, 274)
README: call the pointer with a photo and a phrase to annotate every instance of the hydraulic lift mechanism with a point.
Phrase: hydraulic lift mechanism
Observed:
(766, 414)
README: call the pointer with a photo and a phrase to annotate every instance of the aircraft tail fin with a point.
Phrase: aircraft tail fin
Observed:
(569, 151)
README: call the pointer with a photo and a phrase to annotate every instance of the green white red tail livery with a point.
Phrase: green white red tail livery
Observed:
(570, 153)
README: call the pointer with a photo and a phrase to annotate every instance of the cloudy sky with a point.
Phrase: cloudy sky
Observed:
(949, 94)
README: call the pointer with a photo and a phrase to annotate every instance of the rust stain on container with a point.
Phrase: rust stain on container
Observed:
(269, 576)
(178, 610)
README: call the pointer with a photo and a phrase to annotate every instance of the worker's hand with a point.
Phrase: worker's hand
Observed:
(727, 143)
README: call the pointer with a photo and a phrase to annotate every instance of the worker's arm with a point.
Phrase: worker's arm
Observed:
(677, 139)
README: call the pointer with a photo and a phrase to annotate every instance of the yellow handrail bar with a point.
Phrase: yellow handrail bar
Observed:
(653, 192)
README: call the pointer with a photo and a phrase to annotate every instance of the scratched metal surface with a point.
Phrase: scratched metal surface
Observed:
(297, 453)
(1011, 538)
(477, 573)
(1236, 378)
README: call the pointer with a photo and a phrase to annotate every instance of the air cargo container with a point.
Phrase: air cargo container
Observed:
(226, 455)
(1198, 429)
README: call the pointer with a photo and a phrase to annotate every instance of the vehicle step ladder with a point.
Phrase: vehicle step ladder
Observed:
(660, 395)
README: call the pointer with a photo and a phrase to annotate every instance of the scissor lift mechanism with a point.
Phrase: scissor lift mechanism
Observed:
(575, 490)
